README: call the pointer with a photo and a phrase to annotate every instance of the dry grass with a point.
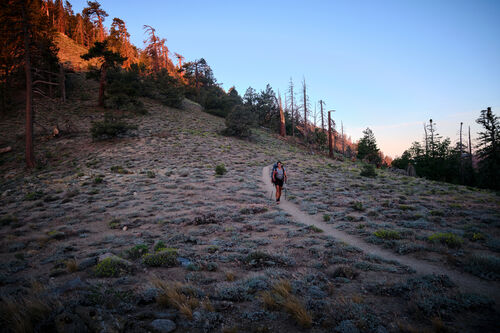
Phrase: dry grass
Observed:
(207, 305)
(280, 297)
(230, 276)
(21, 314)
(71, 265)
(294, 307)
(171, 295)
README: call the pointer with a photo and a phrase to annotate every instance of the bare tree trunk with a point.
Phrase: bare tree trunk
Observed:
(196, 78)
(30, 156)
(461, 153)
(282, 118)
(334, 140)
(342, 127)
(62, 83)
(470, 149)
(330, 148)
(305, 111)
(322, 115)
(426, 142)
(432, 138)
(293, 115)
(102, 84)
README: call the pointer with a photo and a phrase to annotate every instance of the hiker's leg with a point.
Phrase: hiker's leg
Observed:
(277, 192)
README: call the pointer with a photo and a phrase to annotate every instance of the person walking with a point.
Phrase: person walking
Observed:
(279, 178)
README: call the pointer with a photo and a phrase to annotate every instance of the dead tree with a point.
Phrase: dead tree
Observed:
(343, 140)
(461, 154)
(321, 103)
(291, 101)
(330, 148)
(426, 141)
(282, 116)
(470, 148)
(305, 109)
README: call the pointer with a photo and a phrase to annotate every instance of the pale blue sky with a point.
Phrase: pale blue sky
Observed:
(387, 65)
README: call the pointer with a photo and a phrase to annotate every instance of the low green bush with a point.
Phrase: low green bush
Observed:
(483, 265)
(110, 267)
(164, 258)
(110, 127)
(449, 239)
(137, 251)
(368, 171)
(387, 234)
(220, 169)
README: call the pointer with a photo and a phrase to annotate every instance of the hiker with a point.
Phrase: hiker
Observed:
(279, 177)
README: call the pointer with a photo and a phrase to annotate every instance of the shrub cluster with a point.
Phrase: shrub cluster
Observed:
(110, 127)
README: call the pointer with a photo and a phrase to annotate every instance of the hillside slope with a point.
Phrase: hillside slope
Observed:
(139, 232)
(70, 52)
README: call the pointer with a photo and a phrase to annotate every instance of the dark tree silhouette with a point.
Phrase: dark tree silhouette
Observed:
(489, 149)
(108, 58)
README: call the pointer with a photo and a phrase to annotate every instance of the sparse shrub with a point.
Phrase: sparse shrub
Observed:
(137, 251)
(368, 171)
(98, 180)
(211, 266)
(205, 219)
(261, 259)
(34, 196)
(110, 127)
(436, 212)
(357, 205)
(151, 174)
(212, 249)
(326, 217)
(345, 272)
(483, 265)
(114, 224)
(314, 228)
(164, 258)
(110, 267)
(119, 169)
(7, 219)
(387, 234)
(220, 169)
(448, 238)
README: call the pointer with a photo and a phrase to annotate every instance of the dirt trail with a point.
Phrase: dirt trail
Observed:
(466, 283)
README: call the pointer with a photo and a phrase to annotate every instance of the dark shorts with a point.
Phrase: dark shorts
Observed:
(278, 182)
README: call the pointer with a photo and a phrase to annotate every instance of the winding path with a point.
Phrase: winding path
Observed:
(464, 281)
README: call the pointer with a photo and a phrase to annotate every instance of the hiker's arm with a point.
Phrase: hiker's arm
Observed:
(284, 173)
(274, 179)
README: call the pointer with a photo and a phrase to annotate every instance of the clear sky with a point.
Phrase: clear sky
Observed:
(387, 65)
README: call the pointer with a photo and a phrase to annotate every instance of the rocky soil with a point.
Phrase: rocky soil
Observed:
(139, 234)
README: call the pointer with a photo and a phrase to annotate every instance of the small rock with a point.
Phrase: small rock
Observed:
(183, 261)
(17, 246)
(87, 263)
(163, 325)
(125, 228)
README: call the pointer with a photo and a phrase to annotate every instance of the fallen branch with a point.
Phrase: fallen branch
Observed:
(5, 150)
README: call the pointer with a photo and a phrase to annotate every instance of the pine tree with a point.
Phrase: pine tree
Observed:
(489, 149)
(97, 15)
(108, 58)
(367, 147)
